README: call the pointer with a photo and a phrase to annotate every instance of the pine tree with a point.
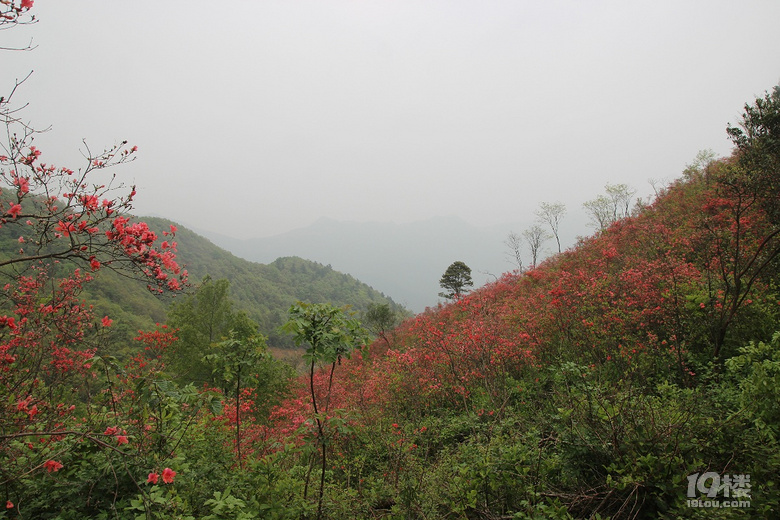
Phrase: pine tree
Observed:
(455, 280)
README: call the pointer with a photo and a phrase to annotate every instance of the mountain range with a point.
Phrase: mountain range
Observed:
(404, 261)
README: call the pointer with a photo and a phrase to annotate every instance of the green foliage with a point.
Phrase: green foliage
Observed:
(236, 364)
(204, 318)
(234, 357)
(380, 318)
(758, 139)
(328, 333)
(757, 374)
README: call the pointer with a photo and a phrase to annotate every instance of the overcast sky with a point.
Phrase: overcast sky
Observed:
(257, 117)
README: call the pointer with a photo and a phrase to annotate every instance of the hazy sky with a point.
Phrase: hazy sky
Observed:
(265, 115)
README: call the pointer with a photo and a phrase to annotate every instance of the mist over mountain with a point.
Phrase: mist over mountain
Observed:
(404, 261)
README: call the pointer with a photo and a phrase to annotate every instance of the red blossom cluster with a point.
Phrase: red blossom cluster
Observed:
(46, 349)
(167, 477)
(52, 466)
(113, 431)
(11, 11)
(48, 330)
(157, 342)
(138, 244)
(58, 214)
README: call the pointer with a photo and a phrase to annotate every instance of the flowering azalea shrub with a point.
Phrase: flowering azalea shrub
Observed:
(64, 227)
(48, 335)
(57, 214)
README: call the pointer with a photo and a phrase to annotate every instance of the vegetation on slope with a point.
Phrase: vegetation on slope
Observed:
(603, 383)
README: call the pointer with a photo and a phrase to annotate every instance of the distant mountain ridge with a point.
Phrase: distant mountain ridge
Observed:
(404, 261)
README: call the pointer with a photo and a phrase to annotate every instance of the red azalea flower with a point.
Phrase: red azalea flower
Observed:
(152, 478)
(14, 210)
(107, 321)
(52, 466)
(168, 475)
(121, 439)
(9, 505)
(65, 228)
(5, 321)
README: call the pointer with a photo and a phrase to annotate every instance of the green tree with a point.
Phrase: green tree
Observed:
(329, 334)
(747, 255)
(204, 318)
(380, 319)
(455, 281)
(757, 139)
(235, 363)
(607, 209)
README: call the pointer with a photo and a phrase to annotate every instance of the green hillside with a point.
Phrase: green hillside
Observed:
(264, 292)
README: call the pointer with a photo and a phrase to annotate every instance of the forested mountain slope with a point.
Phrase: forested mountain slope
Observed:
(264, 291)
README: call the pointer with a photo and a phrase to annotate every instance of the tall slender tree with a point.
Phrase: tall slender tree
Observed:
(204, 318)
(329, 334)
(535, 237)
(551, 213)
(515, 244)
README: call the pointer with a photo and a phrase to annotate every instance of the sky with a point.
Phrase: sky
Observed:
(253, 118)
